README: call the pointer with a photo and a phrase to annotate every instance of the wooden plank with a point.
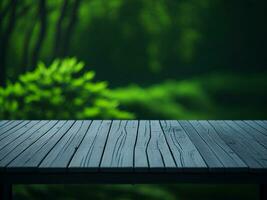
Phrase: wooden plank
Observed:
(241, 146)
(258, 147)
(261, 123)
(9, 127)
(230, 160)
(89, 153)
(119, 150)
(15, 148)
(140, 151)
(159, 154)
(250, 132)
(17, 137)
(128, 146)
(61, 154)
(13, 130)
(184, 138)
(133, 178)
(16, 133)
(8, 122)
(256, 126)
(3, 122)
(33, 155)
(184, 151)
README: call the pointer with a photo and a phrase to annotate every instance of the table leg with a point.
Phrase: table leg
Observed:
(263, 191)
(5, 192)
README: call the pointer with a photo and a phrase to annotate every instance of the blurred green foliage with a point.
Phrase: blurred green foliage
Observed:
(60, 91)
(214, 96)
(147, 41)
(128, 192)
(66, 91)
(168, 100)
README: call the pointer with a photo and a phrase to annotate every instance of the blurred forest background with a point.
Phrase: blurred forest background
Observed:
(133, 59)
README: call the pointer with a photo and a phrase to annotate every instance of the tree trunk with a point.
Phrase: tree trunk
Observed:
(59, 29)
(70, 27)
(26, 48)
(43, 25)
(4, 40)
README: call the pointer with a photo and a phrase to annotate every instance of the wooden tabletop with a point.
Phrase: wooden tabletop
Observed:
(81, 151)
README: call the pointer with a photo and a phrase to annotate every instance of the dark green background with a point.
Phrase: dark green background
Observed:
(161, 59)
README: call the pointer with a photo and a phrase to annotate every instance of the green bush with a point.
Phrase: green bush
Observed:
(214, 96)
(61, 91)
(167, 100)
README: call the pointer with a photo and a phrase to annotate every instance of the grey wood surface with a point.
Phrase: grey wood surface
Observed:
(252, 156)
(159, 153)
(119, 148)
(60, 156)
(132, 146)
(22, 143)
(185, 152)
(88, 155)
(227, 157)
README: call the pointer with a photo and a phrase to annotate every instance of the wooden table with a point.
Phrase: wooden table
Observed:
(145, 151)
